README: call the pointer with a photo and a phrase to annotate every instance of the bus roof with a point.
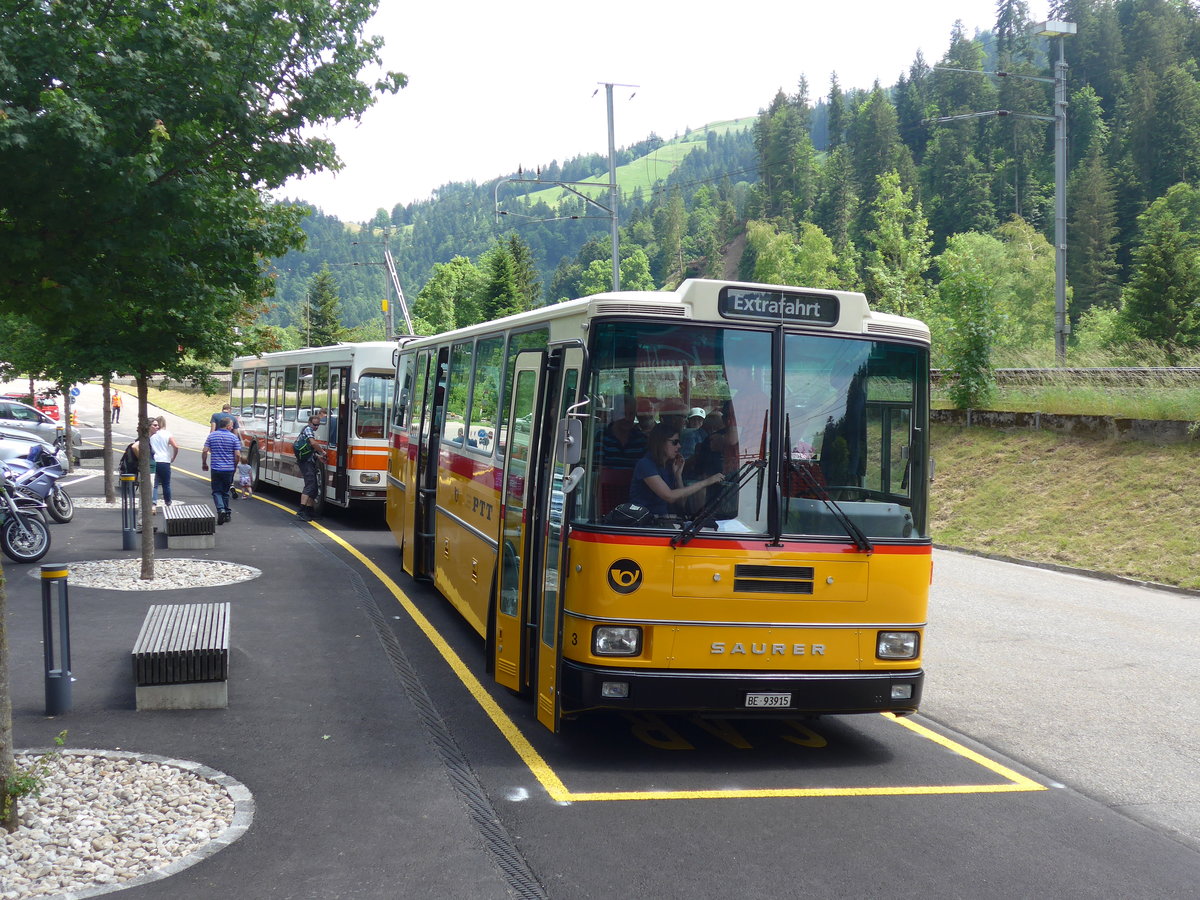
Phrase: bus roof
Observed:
(700, 299)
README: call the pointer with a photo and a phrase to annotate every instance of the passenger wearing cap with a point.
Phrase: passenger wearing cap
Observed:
(691, 434)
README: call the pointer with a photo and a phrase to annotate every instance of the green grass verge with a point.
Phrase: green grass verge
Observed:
(1121, 507)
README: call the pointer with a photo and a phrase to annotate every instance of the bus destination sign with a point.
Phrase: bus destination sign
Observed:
(779, 306)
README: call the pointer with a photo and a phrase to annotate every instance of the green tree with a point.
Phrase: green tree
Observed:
(448, 290)
(500, 291)
(635, 274)
(1161, 303)
(898, 254)
(137, 138)
(877, 147)
(967, 317)
(806, 260)
(670, 224)
(1024, 295)
(529, 284)
(1092, 260)
(322, 313)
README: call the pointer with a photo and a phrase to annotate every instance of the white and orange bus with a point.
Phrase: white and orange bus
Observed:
(793, 578)
(274, 394)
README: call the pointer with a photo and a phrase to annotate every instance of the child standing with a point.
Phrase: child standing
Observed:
(245, 480)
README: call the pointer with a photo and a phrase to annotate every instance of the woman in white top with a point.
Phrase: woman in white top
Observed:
(164, 449)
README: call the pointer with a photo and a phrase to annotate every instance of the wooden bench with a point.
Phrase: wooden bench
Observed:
(181, 657)
(190, 526)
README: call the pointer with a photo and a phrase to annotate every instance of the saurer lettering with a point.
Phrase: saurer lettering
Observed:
(754, 648)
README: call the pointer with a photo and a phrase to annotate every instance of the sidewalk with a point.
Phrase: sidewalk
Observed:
(350, 797)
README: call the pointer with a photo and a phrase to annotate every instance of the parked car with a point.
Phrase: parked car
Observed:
(44, 404)
(16, 442)
(20, 415)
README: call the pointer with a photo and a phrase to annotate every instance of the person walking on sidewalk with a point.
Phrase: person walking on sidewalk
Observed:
(306, 459)
(116, 406)
(162, 442)
(226, 412)
(226, 451)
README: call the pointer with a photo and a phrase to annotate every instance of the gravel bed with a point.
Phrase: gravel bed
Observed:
(108, 820)
(169, 574)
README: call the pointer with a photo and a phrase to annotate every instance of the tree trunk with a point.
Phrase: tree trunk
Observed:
(69, 430)
(7, 765)
(145, 484)
(110, 491)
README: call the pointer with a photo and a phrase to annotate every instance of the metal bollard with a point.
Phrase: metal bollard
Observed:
(128, 512)
(58, 680)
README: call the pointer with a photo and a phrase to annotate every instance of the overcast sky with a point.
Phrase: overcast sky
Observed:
(493, 86)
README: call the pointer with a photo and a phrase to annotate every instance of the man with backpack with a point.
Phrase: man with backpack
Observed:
(226, 451)
(306, 458)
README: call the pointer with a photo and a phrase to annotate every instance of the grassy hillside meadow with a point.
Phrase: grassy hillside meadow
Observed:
(644, 173)
(1121, 507)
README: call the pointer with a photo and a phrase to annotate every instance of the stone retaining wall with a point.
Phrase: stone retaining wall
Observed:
(1150, 430)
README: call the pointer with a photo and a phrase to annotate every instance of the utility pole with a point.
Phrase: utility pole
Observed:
(1062, 326)
(390, 264)
(1060, 30)
(612, 191)
(610, 209)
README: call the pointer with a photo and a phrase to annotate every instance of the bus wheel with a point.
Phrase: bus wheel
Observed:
(318, 502)
(256, 468)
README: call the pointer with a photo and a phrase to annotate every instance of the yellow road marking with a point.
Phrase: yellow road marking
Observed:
(558, 791)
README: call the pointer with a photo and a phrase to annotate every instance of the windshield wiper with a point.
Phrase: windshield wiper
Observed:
(860, 539)
(732, 484)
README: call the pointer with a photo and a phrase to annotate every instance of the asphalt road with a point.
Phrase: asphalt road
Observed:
(1056, 755)
(1091, 681)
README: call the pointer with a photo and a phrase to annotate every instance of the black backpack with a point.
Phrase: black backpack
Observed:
(302, 448)
(129, 462)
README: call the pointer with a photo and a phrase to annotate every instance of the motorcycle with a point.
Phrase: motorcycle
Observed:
(24, 538)
(36, 481)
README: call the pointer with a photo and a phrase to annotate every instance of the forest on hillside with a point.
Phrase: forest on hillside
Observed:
(903, 191)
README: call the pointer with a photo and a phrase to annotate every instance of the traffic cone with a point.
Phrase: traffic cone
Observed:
(74, 418)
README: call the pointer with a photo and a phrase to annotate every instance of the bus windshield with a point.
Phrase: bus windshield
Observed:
(374, 394)
(807, 430)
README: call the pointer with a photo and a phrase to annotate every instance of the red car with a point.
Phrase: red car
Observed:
(44, 404)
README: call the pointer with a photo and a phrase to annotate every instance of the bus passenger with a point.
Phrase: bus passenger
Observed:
(623, 442)
(693, 433)
(657, 476)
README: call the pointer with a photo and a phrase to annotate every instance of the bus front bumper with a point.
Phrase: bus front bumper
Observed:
(732, 694)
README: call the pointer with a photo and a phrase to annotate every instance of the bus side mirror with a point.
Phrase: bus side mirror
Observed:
(570, 441)
(572, 480)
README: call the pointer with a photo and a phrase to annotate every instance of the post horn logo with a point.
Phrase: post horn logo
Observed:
(624, 576)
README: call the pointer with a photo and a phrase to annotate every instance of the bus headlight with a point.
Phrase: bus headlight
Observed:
(369, 478)
(897, 645)
(616, 640)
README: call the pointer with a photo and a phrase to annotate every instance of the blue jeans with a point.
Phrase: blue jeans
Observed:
(221, 483)
(162, 476)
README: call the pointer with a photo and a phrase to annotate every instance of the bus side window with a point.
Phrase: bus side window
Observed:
(485, 396)
(458, 384)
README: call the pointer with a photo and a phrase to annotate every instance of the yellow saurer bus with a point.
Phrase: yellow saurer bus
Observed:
(710, 500)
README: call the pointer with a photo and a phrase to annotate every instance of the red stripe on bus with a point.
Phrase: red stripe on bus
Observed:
(595, 537)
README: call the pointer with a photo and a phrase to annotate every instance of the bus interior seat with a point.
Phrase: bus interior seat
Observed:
(614, 488)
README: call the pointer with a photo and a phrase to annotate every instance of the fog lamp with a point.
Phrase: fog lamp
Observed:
(901, 691)
(614, 690)
(617, 640)
(369, 478)
(897, 645)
